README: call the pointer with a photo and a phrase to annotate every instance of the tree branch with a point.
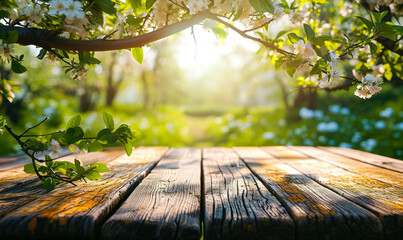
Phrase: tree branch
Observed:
(344, 86)
(243, 34)
(48, 39)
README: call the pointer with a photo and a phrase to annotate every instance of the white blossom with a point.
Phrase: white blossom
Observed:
(196, 6)
(54, 148)
(303, 49)
(6, 49)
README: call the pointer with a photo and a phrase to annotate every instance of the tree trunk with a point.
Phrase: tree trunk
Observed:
(112, 86)
(146, 94)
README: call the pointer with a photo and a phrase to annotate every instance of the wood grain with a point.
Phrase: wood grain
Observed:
(19, 160)
(374, 159)
(76, 212)
(19, 188)
(11, 162)
(237, 204)
(383, 199)
(318, 212)
(381, 174)
(165, 205)
(17, 176)
(283, 152)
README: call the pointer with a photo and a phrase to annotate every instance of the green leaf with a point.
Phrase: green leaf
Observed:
(108, 120)
(73, 135)
(281, 34)
(74, 122)
(49, 184)
(320, 40)
(106, 6)
(100, 167)
(94, 147)
(279, 62)
(310, 33)
(17, 67)
(79, 168)
(389, 31)
(132, 21)
(138, 54)
(124, 132)
(150, 3)
(219, 33)
(128, 147)
(37, 144)
(42, 54)
(4, 14)
(262, 5)
(294, 38)
(29, 168)
(92, 175)
(105, 136)
(291, 70)
(136, 4)
(48, 161)
(367, 22)
(388, 75)
(372, 47)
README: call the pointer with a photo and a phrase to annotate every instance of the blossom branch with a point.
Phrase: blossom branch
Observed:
(260, 26)
(49, 39)
(243, 34)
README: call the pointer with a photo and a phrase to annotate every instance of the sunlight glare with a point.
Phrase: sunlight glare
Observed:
(201, 56)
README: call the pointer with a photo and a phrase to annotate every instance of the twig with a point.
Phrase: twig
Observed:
(21, 135)
(260, 26)
(243, 34)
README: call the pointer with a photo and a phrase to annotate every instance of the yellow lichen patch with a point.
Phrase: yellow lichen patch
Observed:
(32, 225)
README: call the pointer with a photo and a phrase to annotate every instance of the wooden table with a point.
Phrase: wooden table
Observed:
(218, 193)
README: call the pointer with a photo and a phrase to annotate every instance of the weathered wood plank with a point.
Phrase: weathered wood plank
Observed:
(383, 199)
(283, 152)
(318, 212)
(165, 205)
(19, 160)
(237, 204)
(382, 174)
(76, 212)
(374, 159)
(17, 176)
(19, 188)
(14, 161)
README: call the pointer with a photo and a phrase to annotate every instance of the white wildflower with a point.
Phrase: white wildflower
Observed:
(54, 148)
(196, 6)
(357, 75)
(278, 12)
(56, 6)
(303, 49)
(378, 70)
(80, 74)
(6, 49)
